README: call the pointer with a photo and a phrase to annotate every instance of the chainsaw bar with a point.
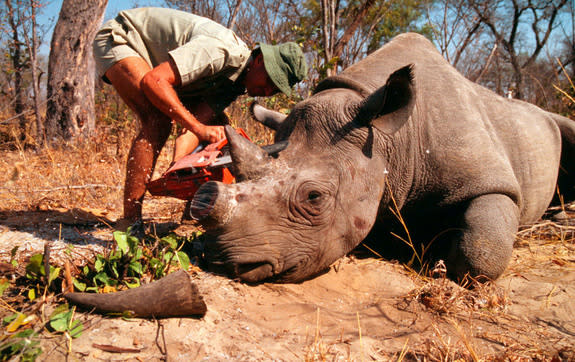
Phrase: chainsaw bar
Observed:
(211, 163)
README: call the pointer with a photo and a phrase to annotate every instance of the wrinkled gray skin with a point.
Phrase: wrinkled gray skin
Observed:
(402, 127)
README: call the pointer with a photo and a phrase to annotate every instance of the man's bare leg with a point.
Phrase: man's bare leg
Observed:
(186, 143)
(125, 76)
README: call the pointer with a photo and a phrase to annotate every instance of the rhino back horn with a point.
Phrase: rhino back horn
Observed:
(249, 160)
(267, 117)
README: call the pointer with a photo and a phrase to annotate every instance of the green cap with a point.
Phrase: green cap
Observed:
(285, 64)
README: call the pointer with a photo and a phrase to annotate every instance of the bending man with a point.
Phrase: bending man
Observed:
(170, 67)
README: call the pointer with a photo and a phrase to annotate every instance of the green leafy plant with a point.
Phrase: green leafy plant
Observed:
(131, 260)
(4, 285)
(36, 273)
(121, 266)
(62, 321)
(24, 343)
(13, 259)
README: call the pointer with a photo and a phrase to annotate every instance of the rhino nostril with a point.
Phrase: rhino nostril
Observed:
(204, 201)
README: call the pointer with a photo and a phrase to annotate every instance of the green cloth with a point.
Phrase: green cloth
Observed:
(208, 56)
(285, 65)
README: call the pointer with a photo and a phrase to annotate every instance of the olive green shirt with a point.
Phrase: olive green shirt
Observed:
(209, 57)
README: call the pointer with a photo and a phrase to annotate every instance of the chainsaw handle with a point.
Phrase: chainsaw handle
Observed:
(200, 147)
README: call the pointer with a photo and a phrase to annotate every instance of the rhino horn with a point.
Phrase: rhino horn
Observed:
(172, 296)
(389, 107)
(249, 160)
(210, 205)
(267, 117)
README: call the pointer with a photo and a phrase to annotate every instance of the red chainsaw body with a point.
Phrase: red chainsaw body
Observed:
(185, 177)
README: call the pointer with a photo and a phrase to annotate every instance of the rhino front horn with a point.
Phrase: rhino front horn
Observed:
(211, 204)
(249, 160)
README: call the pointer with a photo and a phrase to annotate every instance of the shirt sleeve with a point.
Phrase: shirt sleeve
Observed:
(201, 57)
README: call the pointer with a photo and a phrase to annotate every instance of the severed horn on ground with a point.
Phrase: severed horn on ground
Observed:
(172, 296)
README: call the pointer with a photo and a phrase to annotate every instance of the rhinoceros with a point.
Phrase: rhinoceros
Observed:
(398, 141)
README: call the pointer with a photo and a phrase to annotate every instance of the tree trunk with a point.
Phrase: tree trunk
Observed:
(70, 108)
(32, 45)
(234, 14)
(18, 66)
(329, 23)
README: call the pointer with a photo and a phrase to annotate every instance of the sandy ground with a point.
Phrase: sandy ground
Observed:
(362, 309)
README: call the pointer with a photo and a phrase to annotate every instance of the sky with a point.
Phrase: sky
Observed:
(49, 15)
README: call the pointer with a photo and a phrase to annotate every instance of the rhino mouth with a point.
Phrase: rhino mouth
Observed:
(247, 265)
(250, 272)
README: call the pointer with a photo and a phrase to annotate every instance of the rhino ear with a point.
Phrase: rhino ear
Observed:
(388, 108)
(267, 117)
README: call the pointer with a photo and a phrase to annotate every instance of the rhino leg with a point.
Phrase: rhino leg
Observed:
(486, 237)
(565, 180)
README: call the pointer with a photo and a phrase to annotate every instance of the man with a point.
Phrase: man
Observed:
(170, 67)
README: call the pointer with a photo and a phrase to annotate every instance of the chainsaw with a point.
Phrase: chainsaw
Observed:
(209, 163)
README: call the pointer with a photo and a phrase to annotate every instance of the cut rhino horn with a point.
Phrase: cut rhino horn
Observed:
(172, 296)
(249, 160)
(210, 205)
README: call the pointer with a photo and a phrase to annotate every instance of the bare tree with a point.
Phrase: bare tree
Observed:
(234, 10)
(337, 35)
(504, 20)
(254, 21)
(329, 17)
(18, 64)
(32, 44)
(568, 31)
(70, 108)
(207, 8)
(455, 28)
(19, 24)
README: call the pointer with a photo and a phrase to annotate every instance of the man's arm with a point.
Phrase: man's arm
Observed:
(158, 85)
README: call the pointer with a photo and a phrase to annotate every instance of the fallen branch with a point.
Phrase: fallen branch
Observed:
(172, 296)
(60, 188)
(114, 349)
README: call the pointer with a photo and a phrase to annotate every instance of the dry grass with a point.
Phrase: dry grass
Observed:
(72, 176)
(87, 174)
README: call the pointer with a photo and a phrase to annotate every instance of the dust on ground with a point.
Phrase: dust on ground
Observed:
(362, 309)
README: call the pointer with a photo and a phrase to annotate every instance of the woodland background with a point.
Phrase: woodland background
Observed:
(518, 48)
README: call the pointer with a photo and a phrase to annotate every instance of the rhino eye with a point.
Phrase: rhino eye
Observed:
(311, 202)
(313, 196)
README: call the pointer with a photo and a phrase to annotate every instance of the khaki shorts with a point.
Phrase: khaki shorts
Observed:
(110, 46)
(114, 42)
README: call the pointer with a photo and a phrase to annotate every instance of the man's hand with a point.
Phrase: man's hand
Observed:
(211, 134)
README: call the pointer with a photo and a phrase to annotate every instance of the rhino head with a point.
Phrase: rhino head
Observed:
(288, 218)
